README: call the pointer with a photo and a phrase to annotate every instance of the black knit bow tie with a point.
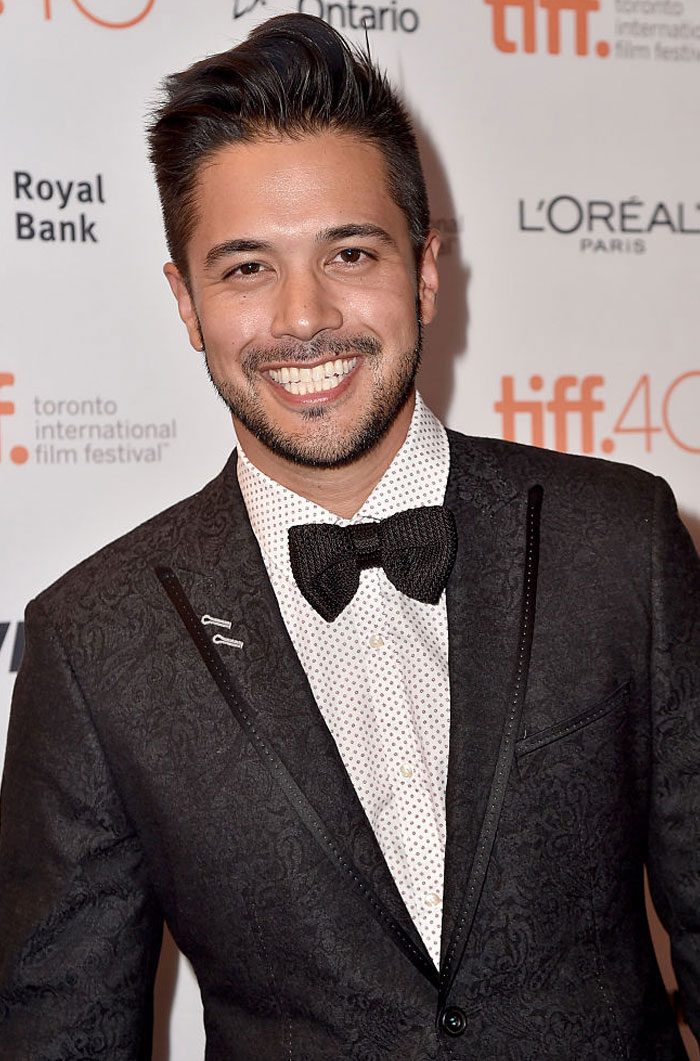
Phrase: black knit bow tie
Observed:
(416, 548)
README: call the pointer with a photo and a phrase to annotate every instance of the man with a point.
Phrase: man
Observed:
(382, 818)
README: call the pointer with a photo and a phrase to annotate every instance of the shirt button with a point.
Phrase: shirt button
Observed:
(376, 641)
(406, 770)
(453, 1020)
(432, 899)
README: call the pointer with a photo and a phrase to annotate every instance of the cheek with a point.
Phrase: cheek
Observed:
(250, 317)
(389, 311)
(229, 327)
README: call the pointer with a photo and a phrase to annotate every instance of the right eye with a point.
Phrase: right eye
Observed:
(246, 269)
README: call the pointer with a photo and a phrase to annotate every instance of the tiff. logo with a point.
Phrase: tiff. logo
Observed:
(580, 10)
(571, 399)
(652, 412)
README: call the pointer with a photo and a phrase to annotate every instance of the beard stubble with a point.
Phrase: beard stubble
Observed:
(324, 448)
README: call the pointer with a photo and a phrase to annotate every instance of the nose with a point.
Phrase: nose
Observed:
(304, 307)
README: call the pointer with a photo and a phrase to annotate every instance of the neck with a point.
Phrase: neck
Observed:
(343, 490)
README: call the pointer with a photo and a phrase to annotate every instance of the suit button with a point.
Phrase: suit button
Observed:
(453, 1020)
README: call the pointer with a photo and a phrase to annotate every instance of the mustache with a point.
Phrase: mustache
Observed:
(324, 348)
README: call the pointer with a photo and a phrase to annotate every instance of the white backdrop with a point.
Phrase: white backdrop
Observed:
(560, 142)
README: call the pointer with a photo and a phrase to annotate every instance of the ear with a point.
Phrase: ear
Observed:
(185, 304)
(428, 279)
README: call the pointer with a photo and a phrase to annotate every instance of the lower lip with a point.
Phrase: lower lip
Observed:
(317, 398)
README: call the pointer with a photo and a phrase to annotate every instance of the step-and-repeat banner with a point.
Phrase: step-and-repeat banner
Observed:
(560, 143)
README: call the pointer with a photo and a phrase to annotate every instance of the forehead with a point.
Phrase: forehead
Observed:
(294, 186)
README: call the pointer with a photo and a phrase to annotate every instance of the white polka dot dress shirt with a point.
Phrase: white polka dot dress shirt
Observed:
(379, 672)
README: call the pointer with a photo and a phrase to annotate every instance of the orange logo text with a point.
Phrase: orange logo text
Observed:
(18, 454)
(526, 20)
(570, 418)
(124, 23)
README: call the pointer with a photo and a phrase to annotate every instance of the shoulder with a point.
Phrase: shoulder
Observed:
(615, 509)
(568, 479)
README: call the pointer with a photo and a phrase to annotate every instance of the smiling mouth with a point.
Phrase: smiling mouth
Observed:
(302, 380)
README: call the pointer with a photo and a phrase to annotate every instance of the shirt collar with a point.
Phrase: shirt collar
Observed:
(416, 476)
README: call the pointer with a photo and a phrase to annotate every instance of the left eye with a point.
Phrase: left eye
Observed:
(351, 255)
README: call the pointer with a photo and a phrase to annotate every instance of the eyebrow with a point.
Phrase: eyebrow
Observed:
(341, 232)
(327, 235)
(234, 246)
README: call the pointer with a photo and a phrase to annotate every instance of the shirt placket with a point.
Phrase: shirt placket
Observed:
(406, 825)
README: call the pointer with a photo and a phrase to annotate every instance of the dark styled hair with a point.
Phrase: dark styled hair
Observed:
(294, 76)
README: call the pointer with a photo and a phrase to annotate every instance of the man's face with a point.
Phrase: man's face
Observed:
(303, 291)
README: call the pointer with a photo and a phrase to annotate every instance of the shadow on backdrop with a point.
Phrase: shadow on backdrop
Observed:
(692, 522)
(446, 337)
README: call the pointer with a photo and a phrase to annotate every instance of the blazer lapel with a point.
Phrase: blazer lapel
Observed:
(490, 604)
(223, 576)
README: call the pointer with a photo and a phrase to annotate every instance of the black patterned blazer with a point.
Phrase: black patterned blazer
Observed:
(153, 773)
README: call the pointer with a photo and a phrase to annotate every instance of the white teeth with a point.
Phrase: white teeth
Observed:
(314, 380)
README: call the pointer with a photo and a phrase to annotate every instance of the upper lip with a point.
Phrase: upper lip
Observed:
(277, 365)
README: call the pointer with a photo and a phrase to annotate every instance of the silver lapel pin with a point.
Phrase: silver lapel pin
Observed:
(211, 620)
(219, 639)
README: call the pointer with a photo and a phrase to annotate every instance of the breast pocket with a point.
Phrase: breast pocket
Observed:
(616, 701)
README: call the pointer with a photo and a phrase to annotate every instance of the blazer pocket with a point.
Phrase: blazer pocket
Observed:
(616, 700)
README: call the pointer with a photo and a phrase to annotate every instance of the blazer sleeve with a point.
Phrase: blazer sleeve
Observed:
(673, 859)
(80, 929)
